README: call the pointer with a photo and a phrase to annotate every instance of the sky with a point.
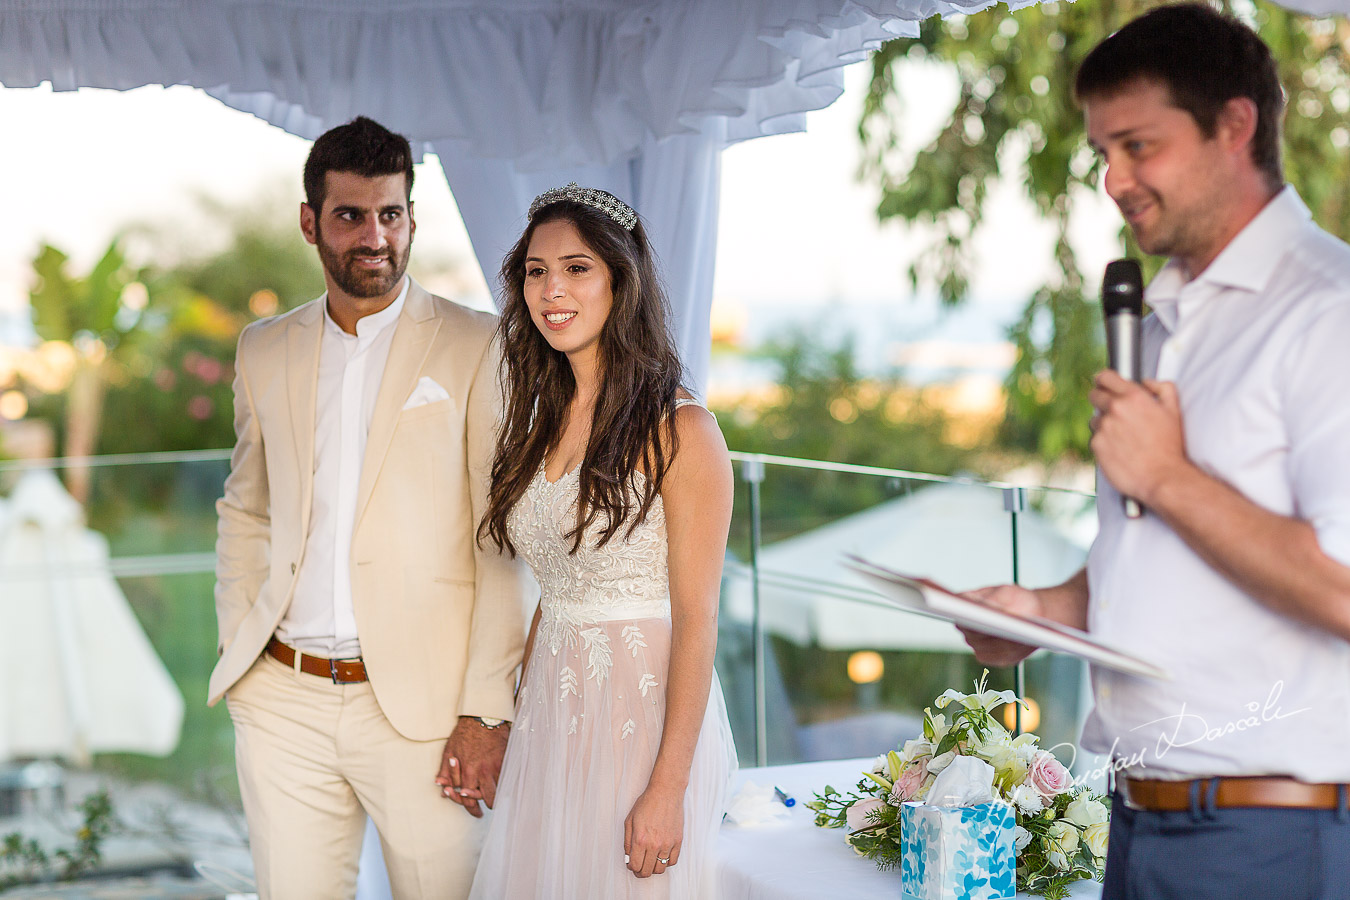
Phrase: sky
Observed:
(797, 232)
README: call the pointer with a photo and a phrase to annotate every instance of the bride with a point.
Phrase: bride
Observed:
(616, 488)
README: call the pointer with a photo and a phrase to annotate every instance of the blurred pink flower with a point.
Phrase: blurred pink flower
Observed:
(165, 379)
(200, 408)
(210, 370)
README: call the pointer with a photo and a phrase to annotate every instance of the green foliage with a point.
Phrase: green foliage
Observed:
(1015, 118)
(170, 330)
(24, 860)
(65, 306)
(823, 409)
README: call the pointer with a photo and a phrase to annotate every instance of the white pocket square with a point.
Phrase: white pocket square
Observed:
(426, 391)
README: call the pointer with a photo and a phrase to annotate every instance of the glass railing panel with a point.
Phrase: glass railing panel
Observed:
(843, 674)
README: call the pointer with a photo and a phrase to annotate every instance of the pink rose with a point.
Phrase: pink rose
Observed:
(857, 813)
(910, 780)
(1048, 775)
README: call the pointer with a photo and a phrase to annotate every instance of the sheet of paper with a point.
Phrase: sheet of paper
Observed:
(921, 595)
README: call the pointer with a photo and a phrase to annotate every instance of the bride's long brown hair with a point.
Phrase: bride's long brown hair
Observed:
(632, 425)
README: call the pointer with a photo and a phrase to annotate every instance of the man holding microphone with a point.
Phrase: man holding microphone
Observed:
(1236, 578)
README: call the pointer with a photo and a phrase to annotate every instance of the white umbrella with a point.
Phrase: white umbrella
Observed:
(957, 534)
(77, 674)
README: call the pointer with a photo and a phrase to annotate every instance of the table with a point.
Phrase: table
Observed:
(795, 860)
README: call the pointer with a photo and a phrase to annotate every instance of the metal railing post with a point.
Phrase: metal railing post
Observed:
(1014, 502)
(752, 473)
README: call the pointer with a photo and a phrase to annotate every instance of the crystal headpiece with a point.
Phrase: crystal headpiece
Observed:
(604, 201)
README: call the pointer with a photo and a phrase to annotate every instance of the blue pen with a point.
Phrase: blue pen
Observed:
(788, 799)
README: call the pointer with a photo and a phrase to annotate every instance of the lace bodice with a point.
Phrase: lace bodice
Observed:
(625, 579)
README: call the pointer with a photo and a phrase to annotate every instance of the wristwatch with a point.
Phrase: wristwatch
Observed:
(488, 722)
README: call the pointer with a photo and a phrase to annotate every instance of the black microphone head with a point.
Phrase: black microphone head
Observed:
(1123, 288)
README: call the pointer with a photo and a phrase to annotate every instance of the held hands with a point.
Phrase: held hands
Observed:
(654, 831)
(471, 763)
(1137, 438)
(996, 651)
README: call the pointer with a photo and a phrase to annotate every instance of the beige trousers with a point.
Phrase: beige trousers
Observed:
(314, 758)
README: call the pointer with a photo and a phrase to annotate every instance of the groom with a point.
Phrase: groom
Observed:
(367, 642)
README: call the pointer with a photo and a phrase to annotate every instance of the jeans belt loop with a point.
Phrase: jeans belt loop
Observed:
(1343, 803)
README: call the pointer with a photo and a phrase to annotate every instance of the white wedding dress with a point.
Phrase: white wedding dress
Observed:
(589, 718)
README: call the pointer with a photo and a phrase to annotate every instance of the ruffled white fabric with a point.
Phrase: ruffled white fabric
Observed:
(544, 83)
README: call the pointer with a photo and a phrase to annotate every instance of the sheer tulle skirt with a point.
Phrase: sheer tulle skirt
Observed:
(588, 725)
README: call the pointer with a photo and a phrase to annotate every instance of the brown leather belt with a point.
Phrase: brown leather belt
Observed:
(341, 671)
(1273, 792)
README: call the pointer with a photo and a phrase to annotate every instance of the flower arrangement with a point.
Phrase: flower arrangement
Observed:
(1061, 828)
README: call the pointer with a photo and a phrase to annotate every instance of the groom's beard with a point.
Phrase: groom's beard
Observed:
(357, 281)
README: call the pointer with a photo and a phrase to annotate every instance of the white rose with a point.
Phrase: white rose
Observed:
(938, 763)
(1061, 843)
(1027, 799)
(1021, 837)
(1084, 811)
(1094, 838)
(881, 767)
(858, 814)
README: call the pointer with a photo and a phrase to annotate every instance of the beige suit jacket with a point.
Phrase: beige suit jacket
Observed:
(438, 617)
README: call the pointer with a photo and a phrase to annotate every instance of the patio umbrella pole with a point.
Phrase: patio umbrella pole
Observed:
(752, 472)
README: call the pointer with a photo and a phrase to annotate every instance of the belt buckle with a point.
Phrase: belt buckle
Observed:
(333, 670)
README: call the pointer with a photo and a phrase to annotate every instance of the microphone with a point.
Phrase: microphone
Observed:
(1122, 308)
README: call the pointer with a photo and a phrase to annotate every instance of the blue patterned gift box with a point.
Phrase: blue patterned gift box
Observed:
(957, 853)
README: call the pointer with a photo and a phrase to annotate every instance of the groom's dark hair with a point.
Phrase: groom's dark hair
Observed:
(1204, 58)
(363, 146)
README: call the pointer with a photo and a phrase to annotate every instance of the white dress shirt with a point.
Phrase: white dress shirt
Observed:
(1259, 349)
(320, 620)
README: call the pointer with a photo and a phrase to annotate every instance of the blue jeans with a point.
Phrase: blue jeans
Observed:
(1227, 854)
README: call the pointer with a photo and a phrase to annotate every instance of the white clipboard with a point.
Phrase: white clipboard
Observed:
(926, 597)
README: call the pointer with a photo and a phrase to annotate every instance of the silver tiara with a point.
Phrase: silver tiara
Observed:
(604, 201)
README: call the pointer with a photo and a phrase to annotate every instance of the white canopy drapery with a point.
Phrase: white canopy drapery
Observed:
(514, 96)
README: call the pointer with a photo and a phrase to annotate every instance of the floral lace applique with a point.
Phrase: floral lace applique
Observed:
(632, 639)
(597, 642)
(568, 683)
(625, 579)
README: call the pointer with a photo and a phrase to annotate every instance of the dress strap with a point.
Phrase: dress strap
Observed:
(693, 401)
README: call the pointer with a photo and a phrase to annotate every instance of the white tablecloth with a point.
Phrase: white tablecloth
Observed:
(796, 860)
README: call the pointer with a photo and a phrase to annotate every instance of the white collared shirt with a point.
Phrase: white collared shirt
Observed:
(1259, 348)
(320, 620)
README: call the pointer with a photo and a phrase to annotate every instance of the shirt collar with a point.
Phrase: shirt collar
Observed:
(1245, 264)
(368, 327)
